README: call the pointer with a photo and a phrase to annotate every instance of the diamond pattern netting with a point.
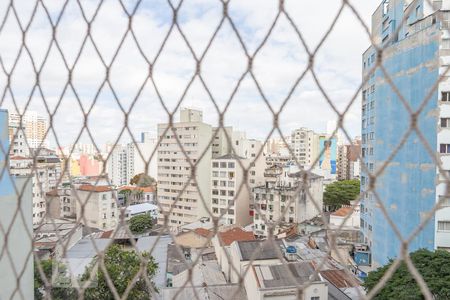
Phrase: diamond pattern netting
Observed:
(16, 28)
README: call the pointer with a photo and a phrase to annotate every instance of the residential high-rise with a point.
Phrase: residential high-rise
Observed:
(45, 171)
(415, 55)
(33, 125)
(230, 201)
(305, 145)
(348, 164)
(191, 202)
(128, 160)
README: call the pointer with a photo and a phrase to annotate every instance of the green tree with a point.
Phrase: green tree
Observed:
(142, 180)
(434, 268)
(59, 289)
(140, 223)
(341, 193)
(122, 266)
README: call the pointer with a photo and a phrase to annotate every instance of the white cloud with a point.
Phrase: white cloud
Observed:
(276, 66)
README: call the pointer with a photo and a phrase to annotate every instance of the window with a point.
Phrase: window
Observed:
(444, 201)
(445, 44)
(444, 148)
(385, 11)
(315, 298)
(445, 96)
(215, 164)
(444, 225)
(445, 122)
(231, 165)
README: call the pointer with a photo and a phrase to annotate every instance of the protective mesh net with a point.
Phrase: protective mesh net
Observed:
(67, 57)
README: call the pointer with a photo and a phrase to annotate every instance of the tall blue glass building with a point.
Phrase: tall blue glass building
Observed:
(416, 50)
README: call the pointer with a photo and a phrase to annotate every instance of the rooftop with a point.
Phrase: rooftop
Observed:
(141, 208)
(258, 250)
(211, 292)
(343, 211)
(94, 188)
(235, 234)
(148, 189)
(203, 232)
(284, 275)
(230, 156)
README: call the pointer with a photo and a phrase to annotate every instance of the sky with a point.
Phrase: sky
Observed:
(277, 65)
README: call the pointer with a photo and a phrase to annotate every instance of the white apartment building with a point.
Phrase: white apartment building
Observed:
(228, 200)
(126, 161)
(305, 146)
(100, 208)
(18, 142)
(174, 169)
(45, 175)
(34, 126)
(285, 200)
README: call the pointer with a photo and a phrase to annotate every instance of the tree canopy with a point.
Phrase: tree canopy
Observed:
(142, 180)
(140, 223)
(58, 290)
(122, 266)
(341, 193)
(434, 268)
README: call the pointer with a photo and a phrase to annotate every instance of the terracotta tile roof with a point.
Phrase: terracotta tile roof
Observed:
(52, 193)
(106, 234)
(19, 158)
(94, 188)
(343, 211)
(149, 189)
(235, 234)
(340, 279)
(203, 232)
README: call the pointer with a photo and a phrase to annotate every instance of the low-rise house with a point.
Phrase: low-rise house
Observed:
(142, 209)
(346, 217)
(222, 243)
(197, 238)
(130, 195)
(256, 252)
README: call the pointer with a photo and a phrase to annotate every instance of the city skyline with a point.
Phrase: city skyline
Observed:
(276, 68)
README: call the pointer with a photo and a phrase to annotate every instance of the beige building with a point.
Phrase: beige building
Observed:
(96, 206)
(60, 203)
(305, 146)
(192, 202)
(285, 199)
(229, 200)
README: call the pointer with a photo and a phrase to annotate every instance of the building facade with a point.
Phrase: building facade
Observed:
(96, 206)
(45, 172)
(414, 56)
(229, 200)
(32, 125)
(131, 159)
(305, 145)
(184, 204)
(286, 200)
